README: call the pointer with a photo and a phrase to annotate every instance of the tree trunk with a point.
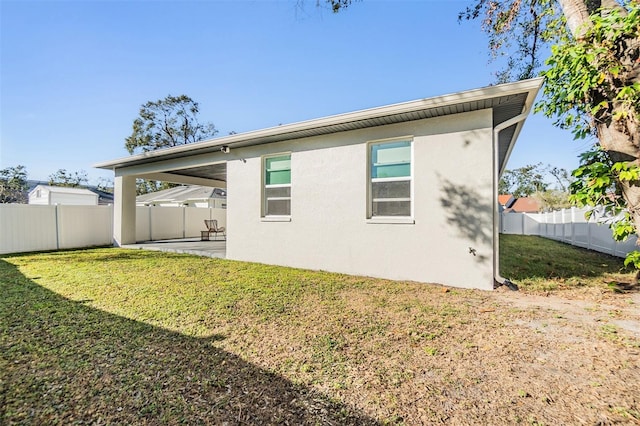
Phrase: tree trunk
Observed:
(619, 138)
(621, 147)
(577, 12)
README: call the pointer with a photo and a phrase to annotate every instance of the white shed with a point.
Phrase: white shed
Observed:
(50, 195)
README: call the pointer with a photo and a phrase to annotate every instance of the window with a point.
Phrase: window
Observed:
(277, 185)
(390, 179)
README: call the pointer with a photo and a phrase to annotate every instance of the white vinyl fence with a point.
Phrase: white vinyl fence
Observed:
(568, 226)
(27, 227)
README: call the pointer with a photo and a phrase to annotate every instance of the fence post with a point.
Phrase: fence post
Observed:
(56, 211)
(589, 234)
(113, 241)
(184, 221)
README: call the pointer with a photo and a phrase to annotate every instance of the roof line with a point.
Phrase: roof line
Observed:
(361, 115)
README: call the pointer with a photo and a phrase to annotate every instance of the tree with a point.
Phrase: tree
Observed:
(532, 180)
(105, 185)
(524, 181)
(13, 184)
(65, 178)
(145, 186)
(592, 80)
(552, 199)
(167, 122)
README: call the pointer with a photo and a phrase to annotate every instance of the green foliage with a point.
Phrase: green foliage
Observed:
(532, 180)
(65, 178)
(517, 31)
(552, 199)
(145, 186)
(598, 184)
(585, 84)
(13, 184)
(167, 122)
(633, 259)
(523, 181)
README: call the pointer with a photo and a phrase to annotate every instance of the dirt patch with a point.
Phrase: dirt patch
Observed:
(620, 310)
(416, 355)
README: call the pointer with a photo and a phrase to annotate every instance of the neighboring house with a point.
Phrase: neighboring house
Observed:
(104, 198)
(524, 205)
(50, 195)
(406, 191)
(505, 201)
(191, 196)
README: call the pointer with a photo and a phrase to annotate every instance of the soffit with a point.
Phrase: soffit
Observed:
(212, 171)
(507, 101)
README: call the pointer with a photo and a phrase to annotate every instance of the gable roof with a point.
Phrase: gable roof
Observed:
(525, 205)
(507, 101)
(506, 200)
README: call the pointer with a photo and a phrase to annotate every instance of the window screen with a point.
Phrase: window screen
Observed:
(390, 179)
(277, 186)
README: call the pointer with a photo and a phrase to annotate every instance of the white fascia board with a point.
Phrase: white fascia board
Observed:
(531, 85)
(528, 108)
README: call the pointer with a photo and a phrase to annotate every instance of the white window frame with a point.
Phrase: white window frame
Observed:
(370, 181)
(264, 216)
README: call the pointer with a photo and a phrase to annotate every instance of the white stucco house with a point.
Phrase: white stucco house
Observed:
(405, 191)
(51, 195)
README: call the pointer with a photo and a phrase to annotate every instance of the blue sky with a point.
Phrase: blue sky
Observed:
(74, 73)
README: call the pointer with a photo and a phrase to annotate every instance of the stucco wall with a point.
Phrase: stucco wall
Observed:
(329, 229)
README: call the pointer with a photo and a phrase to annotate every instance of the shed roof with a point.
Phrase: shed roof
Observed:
(63, 190)
(507, 101)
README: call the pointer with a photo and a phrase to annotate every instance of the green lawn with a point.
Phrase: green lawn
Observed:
(540, 264)
(134, 337)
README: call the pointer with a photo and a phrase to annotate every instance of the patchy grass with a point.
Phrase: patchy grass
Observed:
(115, 336)
(539, 264)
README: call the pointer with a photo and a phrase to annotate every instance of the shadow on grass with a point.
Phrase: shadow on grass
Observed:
(526, 257)
(64, 362)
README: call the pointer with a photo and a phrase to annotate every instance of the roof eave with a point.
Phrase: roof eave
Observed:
(532, 86)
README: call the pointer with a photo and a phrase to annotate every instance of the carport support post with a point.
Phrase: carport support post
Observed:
(124, 210)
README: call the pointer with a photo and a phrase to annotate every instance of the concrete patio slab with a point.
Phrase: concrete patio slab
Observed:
(193, 246)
